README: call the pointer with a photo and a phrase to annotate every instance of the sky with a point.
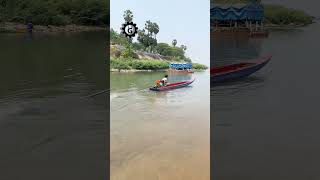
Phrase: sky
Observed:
(186, 21)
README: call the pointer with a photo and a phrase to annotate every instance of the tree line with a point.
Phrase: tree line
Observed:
(147, 41)
(55, 12)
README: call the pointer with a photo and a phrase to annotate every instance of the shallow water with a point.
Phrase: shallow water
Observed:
(266, 126)
(159, 135)
(49, 129)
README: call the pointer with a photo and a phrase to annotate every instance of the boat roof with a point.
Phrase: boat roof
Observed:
(180, 65)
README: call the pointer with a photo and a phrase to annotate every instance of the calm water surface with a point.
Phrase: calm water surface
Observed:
(159, 135)
(267, 126)
(49, 129)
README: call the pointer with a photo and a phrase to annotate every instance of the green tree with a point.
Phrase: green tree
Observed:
(183, 47)
(147, 36)
(155, 29)
(128, 16)
(174, 42)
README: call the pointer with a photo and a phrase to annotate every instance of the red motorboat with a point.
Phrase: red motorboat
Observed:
(240, 70)
(172, 86)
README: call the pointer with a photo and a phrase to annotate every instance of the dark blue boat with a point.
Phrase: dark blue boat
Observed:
(240, 70)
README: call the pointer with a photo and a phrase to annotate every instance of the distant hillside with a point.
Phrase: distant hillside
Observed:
(55, 12)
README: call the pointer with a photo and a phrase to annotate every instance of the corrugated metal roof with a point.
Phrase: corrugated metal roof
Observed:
(223, 12)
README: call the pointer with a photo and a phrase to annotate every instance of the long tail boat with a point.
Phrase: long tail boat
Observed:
(172, 86)
(236, 71)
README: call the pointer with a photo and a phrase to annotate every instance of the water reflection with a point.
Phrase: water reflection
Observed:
(228, 48)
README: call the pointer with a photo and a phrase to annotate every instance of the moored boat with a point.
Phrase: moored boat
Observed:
(174, 71)
(172, 86)
(240, 70)
(180, 68)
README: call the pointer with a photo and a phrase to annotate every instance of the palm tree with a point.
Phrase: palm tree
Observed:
(174, 43)
(128, 16)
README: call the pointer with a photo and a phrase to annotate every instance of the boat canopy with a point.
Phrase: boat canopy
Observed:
(237, 12)
(180, 66)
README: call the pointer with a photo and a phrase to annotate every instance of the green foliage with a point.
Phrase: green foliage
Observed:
(198, 66)
(146, 40)
(137, 46)
(118, 64)
(127, 63)
(128, 53)
(281, 15)
(184, 47)
(277, 14)
(114, 51)
(116, 38)
(56, 12)
(149, 64)
(152, 28)
(148, 36)
(174, 42)
(127, 16)
(188, 60)
(166, 50)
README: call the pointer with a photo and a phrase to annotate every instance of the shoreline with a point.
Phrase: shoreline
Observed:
(12, 27)
(147, 70)
(136, 70)
(266, 27)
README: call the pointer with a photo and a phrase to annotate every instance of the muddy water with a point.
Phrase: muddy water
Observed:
(267, 125)
(159, 135)
(49, 129)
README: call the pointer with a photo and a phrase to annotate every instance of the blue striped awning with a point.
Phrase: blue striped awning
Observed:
(180, 66)
(251, 11)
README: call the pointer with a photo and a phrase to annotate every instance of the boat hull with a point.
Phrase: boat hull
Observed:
(172, 86)
(246, 70)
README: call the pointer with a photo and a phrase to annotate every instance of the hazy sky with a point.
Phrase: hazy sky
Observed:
(186, 21)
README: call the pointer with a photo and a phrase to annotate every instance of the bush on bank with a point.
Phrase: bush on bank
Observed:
(280, 15)
(125, 64)
(198, 66)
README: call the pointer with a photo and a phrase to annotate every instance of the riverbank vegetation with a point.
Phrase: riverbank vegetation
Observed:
(145, 53)
(280, 15)
(55, 12)
(141, 64)
(172, 52)
(277, 14)
(198, 66)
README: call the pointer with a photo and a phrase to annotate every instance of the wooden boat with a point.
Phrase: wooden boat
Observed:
(21, 30)
(174, 71)
(240, 70)
(172, 86)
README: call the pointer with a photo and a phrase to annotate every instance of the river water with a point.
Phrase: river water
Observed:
(267, 125)
(49, 128)
(159, 135)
